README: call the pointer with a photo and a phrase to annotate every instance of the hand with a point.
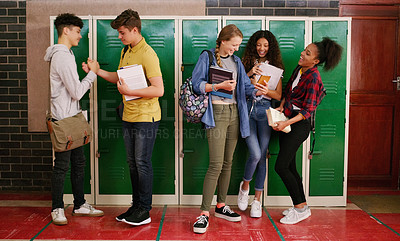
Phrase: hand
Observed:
(122, 87)
(280, 125)
(255, 70)
(227, 85)
(85, 67)
(93, 65)
(280, 108)
(262, 89)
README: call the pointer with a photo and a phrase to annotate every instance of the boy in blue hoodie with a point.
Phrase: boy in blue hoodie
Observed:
(66, 91)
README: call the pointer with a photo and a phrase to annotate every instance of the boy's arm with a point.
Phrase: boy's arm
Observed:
(111, 77)
(156, 89)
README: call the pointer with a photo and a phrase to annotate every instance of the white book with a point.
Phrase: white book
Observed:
(270, 74)
(274, 116)
(134, 77)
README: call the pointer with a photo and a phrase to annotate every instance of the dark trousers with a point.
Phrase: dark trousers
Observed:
(139, 138)
(61, 165)
(285, 165)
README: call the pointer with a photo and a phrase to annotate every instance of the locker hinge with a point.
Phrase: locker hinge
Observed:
(182, 68)
(97, 154)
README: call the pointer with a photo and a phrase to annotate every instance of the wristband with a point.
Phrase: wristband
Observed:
(213, 88)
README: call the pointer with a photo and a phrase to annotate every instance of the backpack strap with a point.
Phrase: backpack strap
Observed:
(125, 50)
(210, 60)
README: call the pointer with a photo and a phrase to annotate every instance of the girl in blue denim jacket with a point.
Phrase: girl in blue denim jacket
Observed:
(222, 121)
(262, 47)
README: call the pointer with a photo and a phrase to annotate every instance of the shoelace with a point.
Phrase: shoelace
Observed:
(201, 219)
(227, 209)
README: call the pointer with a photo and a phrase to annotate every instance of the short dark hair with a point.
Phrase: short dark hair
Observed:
(129, 19)
(67, 20)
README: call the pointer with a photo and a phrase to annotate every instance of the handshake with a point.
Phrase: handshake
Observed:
(91, 65)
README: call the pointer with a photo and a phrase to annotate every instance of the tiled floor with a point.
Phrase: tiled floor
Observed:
(21, 220)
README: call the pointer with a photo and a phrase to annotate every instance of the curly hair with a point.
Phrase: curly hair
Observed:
(227, 32)
(67, 20)
(329, 52)
(273, 55)
(129, 19)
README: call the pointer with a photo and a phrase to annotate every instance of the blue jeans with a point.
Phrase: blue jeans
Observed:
(139, 138)
(257, 142)
(61, 166)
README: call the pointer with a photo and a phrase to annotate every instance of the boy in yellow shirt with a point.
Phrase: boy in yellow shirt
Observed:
(141, 117)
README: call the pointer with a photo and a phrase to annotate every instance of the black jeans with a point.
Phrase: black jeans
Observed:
(285, 164)
(139, 138)
(61, 166)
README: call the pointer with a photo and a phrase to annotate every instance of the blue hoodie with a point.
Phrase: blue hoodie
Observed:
(244, 89)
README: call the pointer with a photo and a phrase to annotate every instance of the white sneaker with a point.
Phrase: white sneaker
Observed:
(294, 216)
(87, 210)
(256, 211)
(243, 198)
(58, 216)
(286, 211)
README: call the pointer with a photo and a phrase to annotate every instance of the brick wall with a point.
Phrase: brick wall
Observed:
(25, 158)
(312, 8)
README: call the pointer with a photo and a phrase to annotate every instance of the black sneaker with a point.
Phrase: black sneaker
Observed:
(200, 226)
(128, 213)
(225, 212)
(138, 217)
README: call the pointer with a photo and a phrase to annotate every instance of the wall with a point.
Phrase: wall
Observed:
(25, 156)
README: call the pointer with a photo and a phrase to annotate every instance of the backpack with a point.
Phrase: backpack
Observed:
(193, 106)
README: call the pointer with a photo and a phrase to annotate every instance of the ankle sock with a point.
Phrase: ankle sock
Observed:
(220, 205)
(300, 210)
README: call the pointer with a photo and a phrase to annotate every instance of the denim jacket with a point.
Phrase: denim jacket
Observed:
(244, 89)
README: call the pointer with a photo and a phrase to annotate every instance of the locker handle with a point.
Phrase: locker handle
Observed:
(188, 151)
(317, 152)
(185, 64)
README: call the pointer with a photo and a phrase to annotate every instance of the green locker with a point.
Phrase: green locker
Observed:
(327, 165)
(248, 27)
(290, 36)
(197, 35)
(113, 171)
(81, 53)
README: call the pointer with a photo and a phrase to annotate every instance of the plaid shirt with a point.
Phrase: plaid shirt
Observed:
(306, 95)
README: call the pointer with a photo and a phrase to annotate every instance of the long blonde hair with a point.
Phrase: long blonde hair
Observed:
(227, 32)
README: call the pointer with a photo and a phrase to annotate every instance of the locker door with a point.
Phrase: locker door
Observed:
(81, 53)
(290, 36)
(197, 35)
(114, 177)
(327, 165)
(248, 27)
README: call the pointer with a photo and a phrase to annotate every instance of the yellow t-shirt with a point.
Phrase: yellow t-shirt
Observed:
(142, 109)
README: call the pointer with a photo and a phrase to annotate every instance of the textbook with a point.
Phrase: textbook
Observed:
(275, 116)
(218, 75)
(270, 74)
(133, 76)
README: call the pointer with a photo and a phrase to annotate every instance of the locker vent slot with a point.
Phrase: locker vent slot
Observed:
(326, 174)
(287, 43)
(199, 41)
(244, 41)
(331, 88)
(117, 173)
(328, 130)
(199, 173)
(159, 172)
(113, 41)
(156, 41)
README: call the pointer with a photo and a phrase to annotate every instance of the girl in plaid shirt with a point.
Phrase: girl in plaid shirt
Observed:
(301, 97)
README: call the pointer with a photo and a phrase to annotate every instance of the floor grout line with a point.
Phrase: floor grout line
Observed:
(273, 223)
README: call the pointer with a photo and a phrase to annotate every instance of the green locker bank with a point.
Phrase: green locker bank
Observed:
(180, 157)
